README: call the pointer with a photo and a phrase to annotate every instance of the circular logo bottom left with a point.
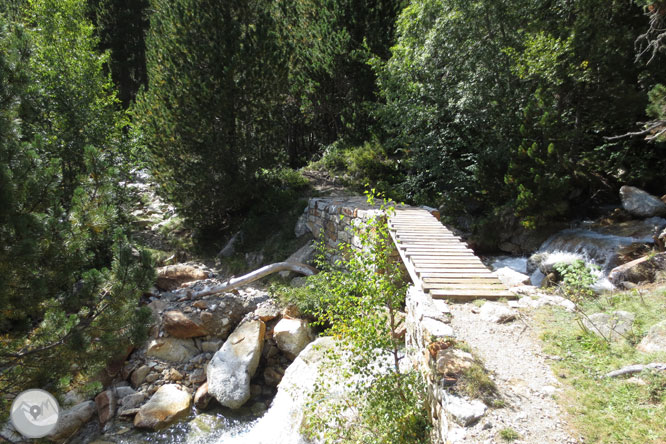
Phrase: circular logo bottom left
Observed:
(34, 413)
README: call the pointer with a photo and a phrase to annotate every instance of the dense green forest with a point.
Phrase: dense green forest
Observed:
(518, 112)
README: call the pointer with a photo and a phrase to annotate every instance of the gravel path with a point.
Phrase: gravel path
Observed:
(512, 354)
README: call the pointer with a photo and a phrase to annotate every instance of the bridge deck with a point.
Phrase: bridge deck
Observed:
(438, 261)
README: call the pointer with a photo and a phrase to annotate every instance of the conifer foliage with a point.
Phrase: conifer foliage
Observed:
(208, 117)
(69, 277)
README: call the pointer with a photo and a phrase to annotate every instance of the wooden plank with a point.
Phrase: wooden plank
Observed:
(460, 280)
(442, 260)
(430, 266)
(454, 274)
(444, 256)
(471, 286)
(442, 294)
(445, 272)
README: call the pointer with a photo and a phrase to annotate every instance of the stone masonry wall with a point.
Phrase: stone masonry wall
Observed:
(427, 325)
(427, 319)
(334, 218)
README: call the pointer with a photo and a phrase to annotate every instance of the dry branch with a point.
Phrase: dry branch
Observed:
(256, 275)
(637, 368)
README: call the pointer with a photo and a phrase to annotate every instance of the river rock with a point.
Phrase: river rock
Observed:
(139, 375)
(107, 402)
(655, 340)
(169, 403)
(641, 204)
(129, 404)
(641, 270)
(71, 420)
(497, 312)
(197, 376)
(202, 397)
(232, 367)
(611, 326)
(225, 313)
(180, 325)
(172, 349)
(267, 311)
(292, 336)
(173, 276)
(283, 421)
(512, 278)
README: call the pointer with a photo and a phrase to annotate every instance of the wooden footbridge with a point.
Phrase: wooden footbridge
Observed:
(438, 261)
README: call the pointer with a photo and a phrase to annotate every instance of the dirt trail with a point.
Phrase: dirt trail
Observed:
(512, 354)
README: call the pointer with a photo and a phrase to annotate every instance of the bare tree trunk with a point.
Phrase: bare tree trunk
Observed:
(256, 275)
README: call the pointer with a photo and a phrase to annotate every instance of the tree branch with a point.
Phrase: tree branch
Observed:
(256, 275)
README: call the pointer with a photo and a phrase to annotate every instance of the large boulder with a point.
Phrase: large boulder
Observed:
(222, 314)
(179, 325)
(168, 404)
(172, 349)
(173, 276)
(292, 336)
(655, 340)
(232, 367)
(641, 204)
(611, 326)
(71, 420)
(644, 269)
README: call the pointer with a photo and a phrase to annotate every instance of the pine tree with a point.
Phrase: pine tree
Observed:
(70, 279)
(210, 115)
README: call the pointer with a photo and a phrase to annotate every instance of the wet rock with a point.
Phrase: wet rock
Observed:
(71, 420)
(273, 376)
(232, 367)
(172, 349)
(202, 397)
(611, 326)
(292, 336)
(202, 426)
(655, 340)
(640, 270)
(641, 204)
(512, 278)
(179, 325)
(173, 276)
(453, 362)
(497, 312)
(168, 404)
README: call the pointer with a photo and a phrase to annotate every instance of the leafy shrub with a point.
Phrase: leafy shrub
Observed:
(577, 279)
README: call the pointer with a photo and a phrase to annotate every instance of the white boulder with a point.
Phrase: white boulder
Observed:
(232, 367)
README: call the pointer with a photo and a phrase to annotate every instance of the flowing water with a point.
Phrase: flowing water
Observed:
(598, 246)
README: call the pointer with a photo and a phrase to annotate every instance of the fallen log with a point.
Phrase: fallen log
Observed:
(637, 368)
(256, 275)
